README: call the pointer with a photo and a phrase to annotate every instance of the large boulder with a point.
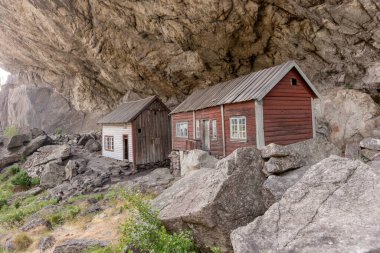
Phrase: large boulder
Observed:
(274, 150)
(278, 165)
(154, 182)
(8, 157)
(93, 145)
(17, 140)
(314, 150)
(35, 144)
(50, 153)
(370, 143)
(52, 175)
(196, 159)
(334, 207)
(347, 113)
(276, 185)
(214, 202)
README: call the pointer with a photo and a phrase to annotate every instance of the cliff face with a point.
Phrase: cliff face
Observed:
(95, 52)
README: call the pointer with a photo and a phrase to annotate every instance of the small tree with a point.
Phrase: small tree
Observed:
(10, 131)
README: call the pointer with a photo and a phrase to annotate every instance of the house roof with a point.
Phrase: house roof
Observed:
(126, 112)
(254, 86)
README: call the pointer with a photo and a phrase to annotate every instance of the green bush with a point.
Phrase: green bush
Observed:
(14, 169)
(3, 202)
(59, 131)
(10, 131)
(11, 171)
(145, 232)
(35, 181)
(56, 219)
(22, 179)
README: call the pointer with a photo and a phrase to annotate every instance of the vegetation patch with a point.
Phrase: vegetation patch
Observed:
(10, 131)
(144, 232)
(22, 241)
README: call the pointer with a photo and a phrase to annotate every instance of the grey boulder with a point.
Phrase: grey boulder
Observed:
(18, 141)
(35, 163)
(196, 159)
(314, 150)
(274, 150)
(334, 207)
(277, 165)
(52, 175)
(214, 202)
(276, 185)
(93, 145)
(370, 143)
(154, 182)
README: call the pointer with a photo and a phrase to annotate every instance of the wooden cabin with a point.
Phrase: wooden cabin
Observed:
(138, 131)
(274, 105)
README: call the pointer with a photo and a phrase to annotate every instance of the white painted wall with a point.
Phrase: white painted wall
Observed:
(117, 132)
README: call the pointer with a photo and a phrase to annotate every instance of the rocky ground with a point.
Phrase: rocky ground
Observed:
(92, 206)
(300, 197)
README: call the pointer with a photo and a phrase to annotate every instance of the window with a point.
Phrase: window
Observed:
(238, 128)
(108, 143)
(182, 129)
(214, 133)
(197, 130)
(293, 81)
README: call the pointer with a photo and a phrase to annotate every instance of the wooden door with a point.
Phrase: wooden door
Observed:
(206, 135)
(126, 147)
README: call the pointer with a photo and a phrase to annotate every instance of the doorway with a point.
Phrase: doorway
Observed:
(126, 147)
(206, 135)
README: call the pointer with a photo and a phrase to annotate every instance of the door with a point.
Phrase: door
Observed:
(206, 135)
(126, 147)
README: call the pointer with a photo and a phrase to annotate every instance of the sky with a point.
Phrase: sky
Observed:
(3, 76)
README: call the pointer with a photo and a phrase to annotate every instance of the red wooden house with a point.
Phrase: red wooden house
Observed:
(274, 105)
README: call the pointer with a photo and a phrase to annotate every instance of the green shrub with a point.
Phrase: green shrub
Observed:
(3, 202)
(9, 172)
(22, 179)
(35, 181)
(14, 169)
(144, 231)
(59, 131)
(22, 242)
(10, 131)
(56, 219)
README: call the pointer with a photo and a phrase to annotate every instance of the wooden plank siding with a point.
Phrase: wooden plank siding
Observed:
(151, 133)
(117, 132)
(179, 143)
(288, 112)
(246, 109)
(213, 113)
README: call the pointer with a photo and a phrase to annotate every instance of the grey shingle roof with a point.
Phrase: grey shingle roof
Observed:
(253, 86)
(126, 112)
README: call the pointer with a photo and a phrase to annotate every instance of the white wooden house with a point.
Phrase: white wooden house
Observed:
(137, 131)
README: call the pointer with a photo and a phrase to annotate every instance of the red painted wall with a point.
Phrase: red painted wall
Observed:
(287, 111)
(212, 113)
(246, 109)
(180, 143)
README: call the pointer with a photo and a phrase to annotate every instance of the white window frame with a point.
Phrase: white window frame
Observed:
(178, 129)
(214, 134)
(197, 129)
(241, 133)
(109, 143)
